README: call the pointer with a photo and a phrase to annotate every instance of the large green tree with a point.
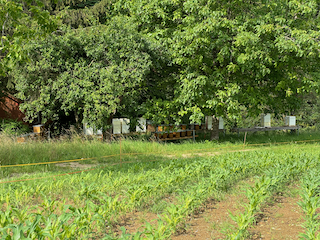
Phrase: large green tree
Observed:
(172, 60)
(20, 21)
(232, 54)
(88, 73)
(81, 13)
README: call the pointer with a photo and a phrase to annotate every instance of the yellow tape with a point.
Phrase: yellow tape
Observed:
(91, 169)
(53, 162)
(115, 155)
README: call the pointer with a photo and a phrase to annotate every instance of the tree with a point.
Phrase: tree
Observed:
(88, 73)
(20, 21)
(81, 13)
(189, 59)
(232, 54)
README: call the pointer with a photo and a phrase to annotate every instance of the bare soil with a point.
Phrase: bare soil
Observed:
(280, 218)
(76, 165)
(213, 221)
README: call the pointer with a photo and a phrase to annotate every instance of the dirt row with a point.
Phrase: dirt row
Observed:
(280, 218)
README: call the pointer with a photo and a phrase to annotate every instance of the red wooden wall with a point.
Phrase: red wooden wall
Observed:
(9, 108)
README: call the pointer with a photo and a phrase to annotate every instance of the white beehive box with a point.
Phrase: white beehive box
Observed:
(290, 121)
(142, 125)
(99, 131)
(221, 123)
(125, 125)
(266, 120)
(91, 130)
(116, 126)
(209, 122)
(87, 130)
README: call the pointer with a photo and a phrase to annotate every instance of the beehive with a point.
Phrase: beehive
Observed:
(116, 126)
(209, 122)
(125, 125)
(142, 125)
(265, 120)
(221, 123)
(38, 128)
(87, 130)
(98, 131)
(91, 130)
(290, 121)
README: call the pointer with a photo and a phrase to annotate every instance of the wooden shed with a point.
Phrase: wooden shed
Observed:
(9, 108)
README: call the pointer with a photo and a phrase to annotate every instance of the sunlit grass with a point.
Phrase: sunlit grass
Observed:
(78, 147)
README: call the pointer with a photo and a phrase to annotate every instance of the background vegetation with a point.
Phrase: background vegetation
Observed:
(170, 61)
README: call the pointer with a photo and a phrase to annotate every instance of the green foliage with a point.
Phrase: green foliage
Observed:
(87, 73)
(13, 127)
(310, 204)
(228, 59)
(171, 61)
(39, 211)
(309, 113)
(20, 22)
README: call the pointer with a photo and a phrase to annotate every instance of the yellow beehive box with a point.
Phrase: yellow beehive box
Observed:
(38, 128)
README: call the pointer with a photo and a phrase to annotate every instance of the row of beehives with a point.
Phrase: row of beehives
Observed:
(289, 121)
(122, 126)
(119, 126)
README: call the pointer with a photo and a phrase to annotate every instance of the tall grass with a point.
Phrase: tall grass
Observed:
(77, 147)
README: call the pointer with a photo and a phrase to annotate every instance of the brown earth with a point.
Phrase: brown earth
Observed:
(280, 218)
(76, 165)
(213, 221)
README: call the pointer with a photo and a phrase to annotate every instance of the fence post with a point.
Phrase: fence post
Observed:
(244, 141)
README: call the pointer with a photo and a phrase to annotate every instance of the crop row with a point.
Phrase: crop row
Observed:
(90, 204)
(270, 182)
(310, 203)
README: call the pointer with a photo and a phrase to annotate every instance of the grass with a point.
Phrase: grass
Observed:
(144, 185)
(76, 147)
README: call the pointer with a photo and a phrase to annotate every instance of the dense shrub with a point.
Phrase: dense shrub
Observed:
(13, 127)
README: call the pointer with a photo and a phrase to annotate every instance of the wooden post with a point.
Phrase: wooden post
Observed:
(215, 129)
(244, 141)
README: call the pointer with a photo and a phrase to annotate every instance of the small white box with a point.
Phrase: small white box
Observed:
(209, 122)
(125, 125)
(87, 130)
(266, 120)
(221, 123)
(91, 130)
(290, 121)
(116, 126)
(99, 131)
(142, 125)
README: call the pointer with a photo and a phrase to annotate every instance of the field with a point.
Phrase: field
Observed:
(206, 190)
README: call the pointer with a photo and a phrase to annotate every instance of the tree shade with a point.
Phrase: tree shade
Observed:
(88, 73)
(172, 61)
(233, 54)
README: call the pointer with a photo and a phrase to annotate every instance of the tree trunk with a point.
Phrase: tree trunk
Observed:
(107, 129)
(215, 128)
